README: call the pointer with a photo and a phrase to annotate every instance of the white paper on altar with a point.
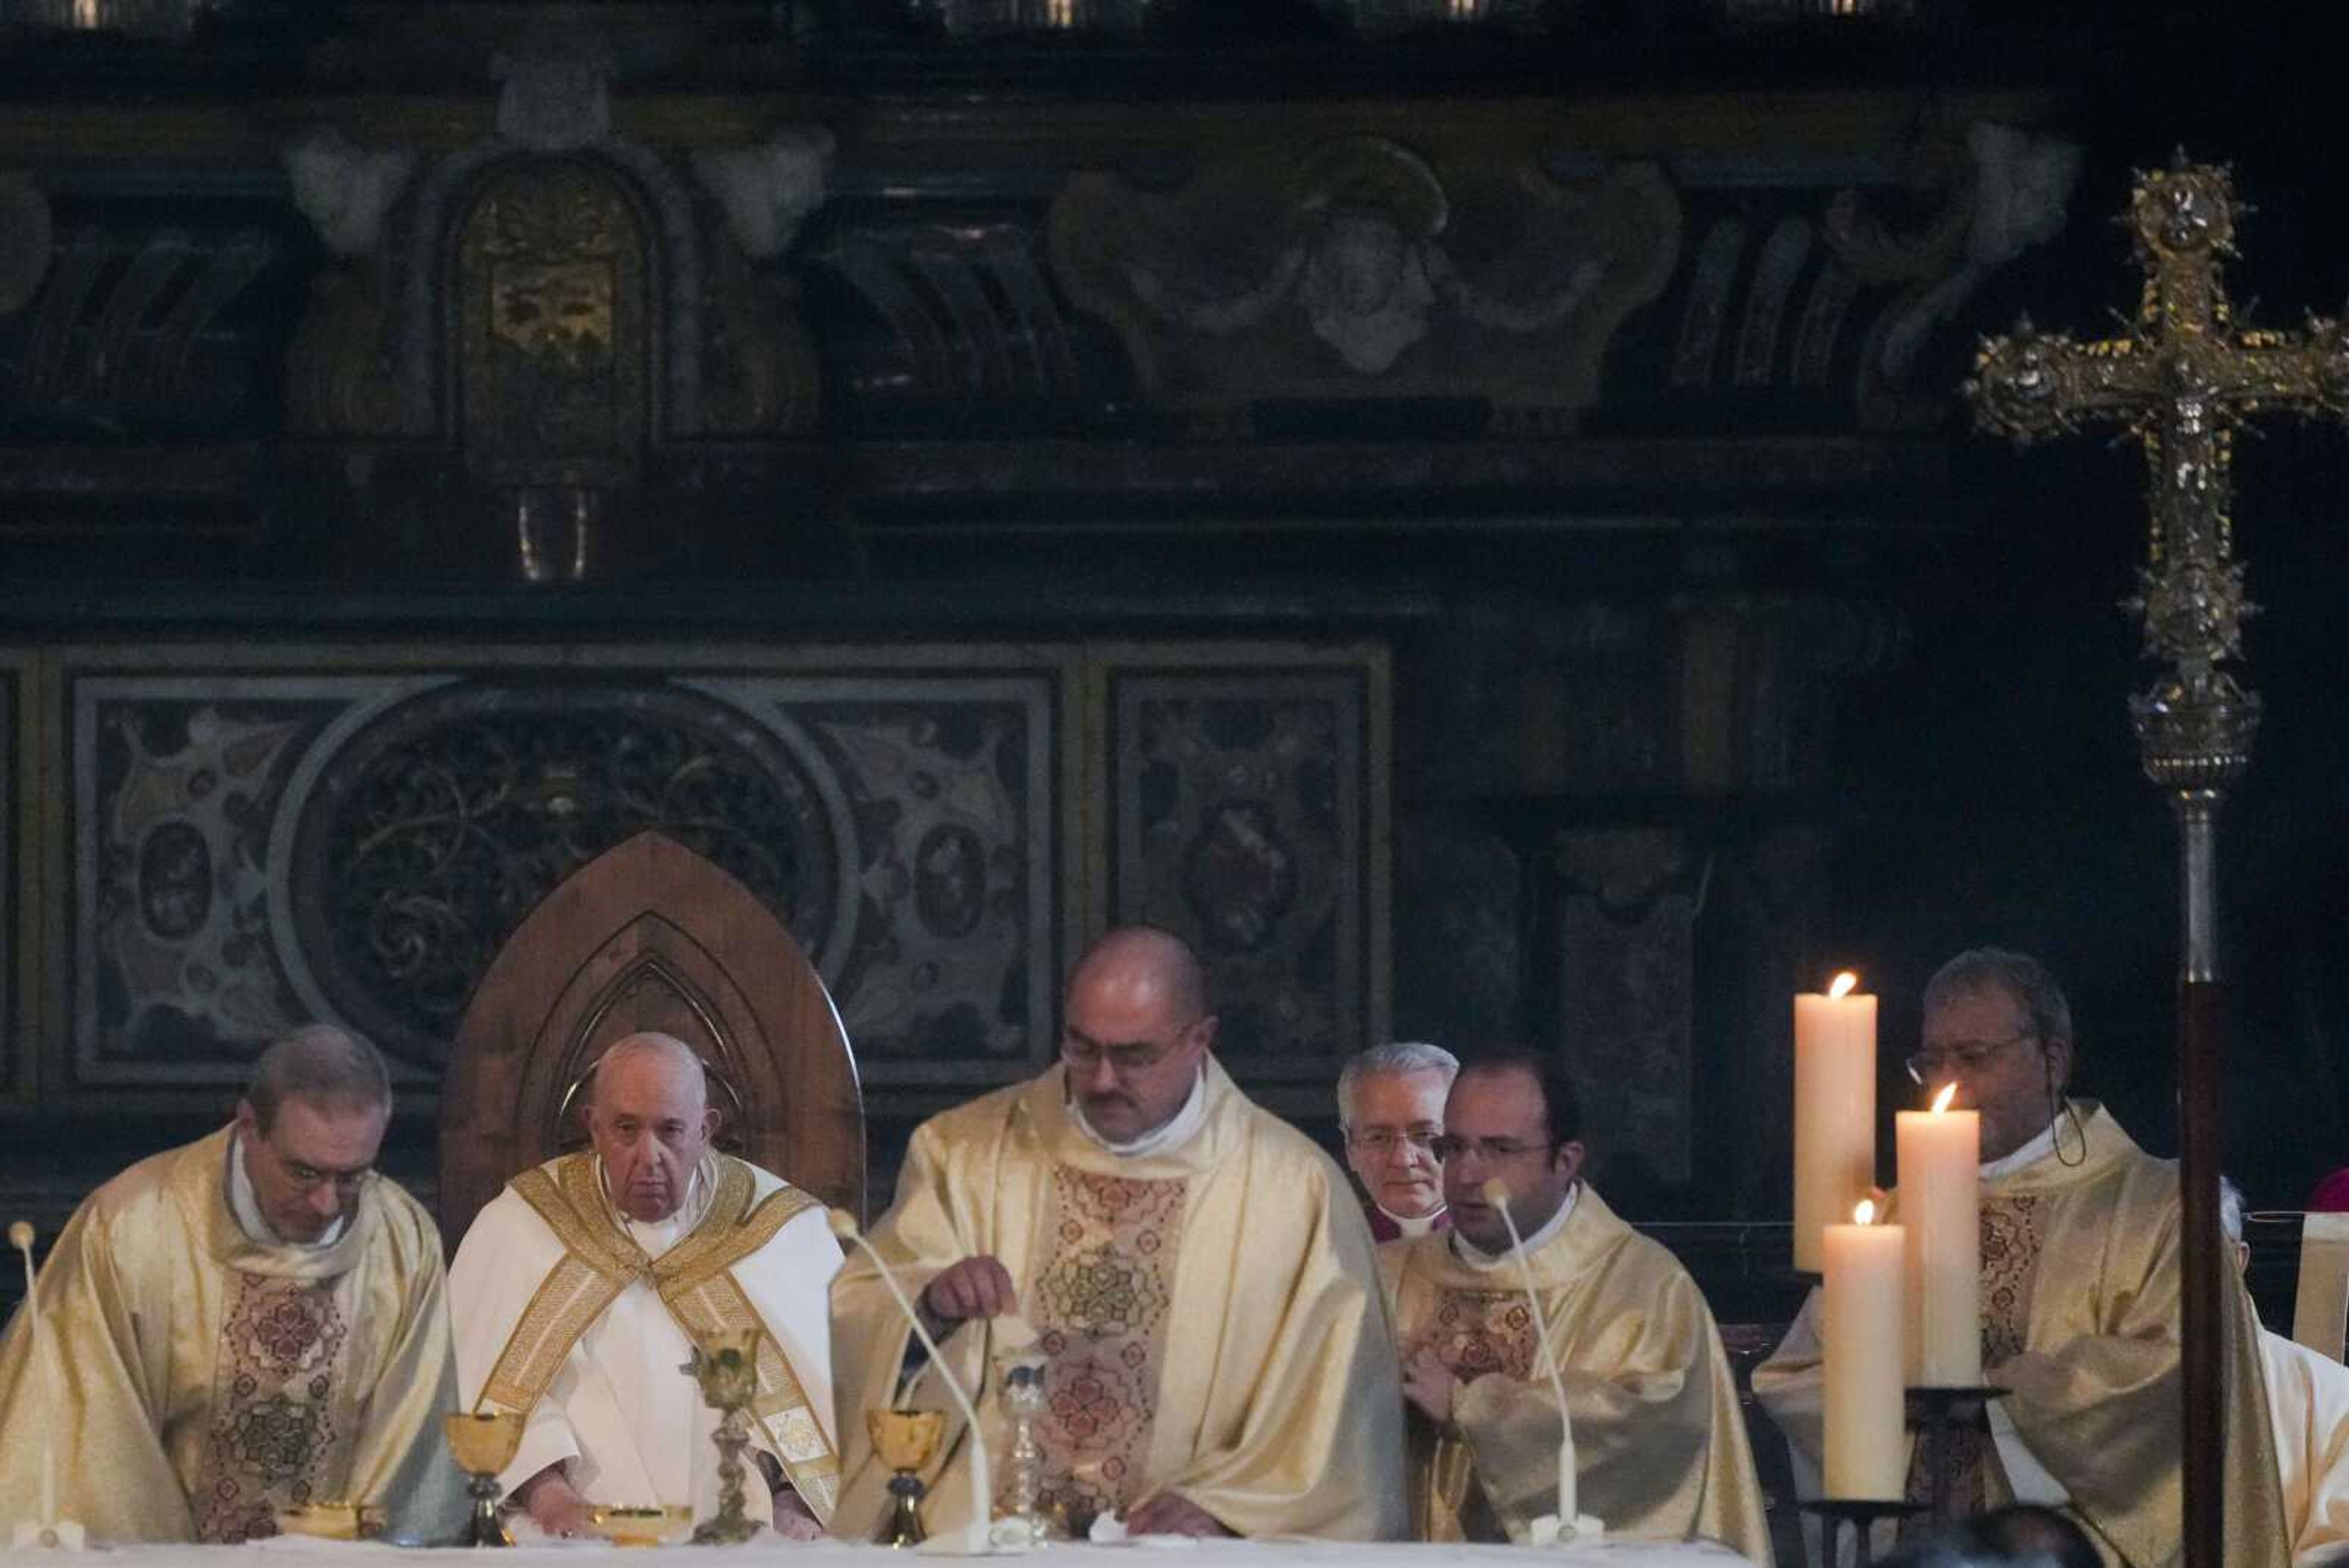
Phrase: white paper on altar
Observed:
(622, 1410)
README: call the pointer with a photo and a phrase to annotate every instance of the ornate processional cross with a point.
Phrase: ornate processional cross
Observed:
(2182, 381)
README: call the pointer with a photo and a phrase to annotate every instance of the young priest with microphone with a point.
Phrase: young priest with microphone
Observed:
(1659, 1447)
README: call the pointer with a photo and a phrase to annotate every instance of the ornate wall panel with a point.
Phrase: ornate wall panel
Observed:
(1249, 813)
(259, 837)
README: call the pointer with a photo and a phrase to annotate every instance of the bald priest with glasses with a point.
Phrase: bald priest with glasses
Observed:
(1194, 1273)
(247, 1324)
(1659, 1446)
(2081, 1236)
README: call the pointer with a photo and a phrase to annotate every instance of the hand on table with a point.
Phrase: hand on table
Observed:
(1169, 1514)
(555, 1506)
(795, 1521)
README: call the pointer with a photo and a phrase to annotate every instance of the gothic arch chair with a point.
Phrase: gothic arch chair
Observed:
(650, 936)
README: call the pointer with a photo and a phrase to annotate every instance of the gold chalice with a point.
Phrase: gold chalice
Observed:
(483, 1443)
(332, 1520)
(906, 1440)
(726, 1365)
(654, 1524)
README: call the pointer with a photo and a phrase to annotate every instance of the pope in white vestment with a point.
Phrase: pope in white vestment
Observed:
(579, 1293)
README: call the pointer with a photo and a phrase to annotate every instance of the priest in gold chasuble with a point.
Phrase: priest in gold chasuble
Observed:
(1659, 1446)
(2080, 1295)
(580, 1290)
(248, 1323)
(1197, 1272)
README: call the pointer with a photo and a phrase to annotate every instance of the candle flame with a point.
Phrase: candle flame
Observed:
(1863, 1212)
(1496, 1192)
(1843, 984)
(1941, 1101)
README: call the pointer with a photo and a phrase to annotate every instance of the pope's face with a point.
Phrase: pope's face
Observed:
(309, 1169)
(1983, 1040)
(1497, 1120)
(1132, 1058)
(1395, 1120)
(651, 1124)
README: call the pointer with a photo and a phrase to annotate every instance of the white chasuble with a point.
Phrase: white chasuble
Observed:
(585, 1325)
(1207, 1307)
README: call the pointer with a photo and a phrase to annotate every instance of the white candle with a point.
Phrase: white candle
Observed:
(20, 1236)
(1862, 1320)
(1939, 1152)
(1834, 1110)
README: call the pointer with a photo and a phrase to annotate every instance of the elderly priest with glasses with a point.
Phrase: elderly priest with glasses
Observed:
(245, 1325)
(1390, 1111)
(1659, 1446)
(2080, 1237)
(1193, 1272)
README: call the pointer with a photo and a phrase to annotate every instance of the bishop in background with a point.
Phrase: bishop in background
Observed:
(248, 1323)
(1659, 1446)
(1195, 1271)
(580, 1290)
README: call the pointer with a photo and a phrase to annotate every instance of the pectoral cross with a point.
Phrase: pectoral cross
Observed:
(2183, 380)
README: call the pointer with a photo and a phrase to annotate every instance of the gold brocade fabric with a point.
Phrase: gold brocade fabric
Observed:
(2092, 1373)
(1100, 1306)
(1660, 1446)
(694, 1284)
(1274, 1404)
(203, 1381)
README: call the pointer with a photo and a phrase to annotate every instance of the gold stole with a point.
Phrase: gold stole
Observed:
(694, 1282)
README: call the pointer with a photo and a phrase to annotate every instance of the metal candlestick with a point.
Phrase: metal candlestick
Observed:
(1937, 1416)
(1861, 1514)
(726, 1368)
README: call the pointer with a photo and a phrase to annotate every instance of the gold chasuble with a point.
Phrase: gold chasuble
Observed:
(2080, 1286)
(699, 1281)
(204, 1381)
(1207, 1311)
(1659, 1448)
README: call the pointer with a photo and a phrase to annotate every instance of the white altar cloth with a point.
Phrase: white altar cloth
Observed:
(1155, 1553)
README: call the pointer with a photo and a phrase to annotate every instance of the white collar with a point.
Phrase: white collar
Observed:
(1411, 1228)
(2031, 1152)
(1180, 1128)
(658, 1236)
(246, 1205)
(1477, 1257)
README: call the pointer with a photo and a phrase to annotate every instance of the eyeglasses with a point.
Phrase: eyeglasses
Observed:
(1495, 1150)
(1938, 1061)
(310, 1177)
(1383, 1141)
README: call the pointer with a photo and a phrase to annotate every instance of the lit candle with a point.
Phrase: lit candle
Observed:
(1939, 1153)
(1860, 1328)
(1834, 1110)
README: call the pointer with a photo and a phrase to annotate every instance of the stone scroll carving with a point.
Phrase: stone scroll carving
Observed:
(1359, 269)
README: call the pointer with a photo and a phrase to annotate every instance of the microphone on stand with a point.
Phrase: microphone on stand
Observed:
(1568, 1523)
(973, 1539)
(48, 1530)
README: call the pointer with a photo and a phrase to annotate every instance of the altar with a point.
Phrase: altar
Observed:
(286, 1552)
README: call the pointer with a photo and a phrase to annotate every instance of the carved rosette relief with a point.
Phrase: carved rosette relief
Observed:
(1359, 269)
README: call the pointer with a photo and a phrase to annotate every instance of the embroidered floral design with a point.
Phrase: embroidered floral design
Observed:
(1101, 1302)
(1477, 1332)
(272, 1428)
